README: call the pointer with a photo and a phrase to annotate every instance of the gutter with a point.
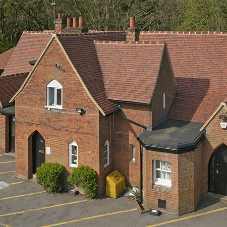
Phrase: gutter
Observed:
(133, 122)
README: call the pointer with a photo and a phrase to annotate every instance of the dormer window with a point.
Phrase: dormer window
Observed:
(54, 95)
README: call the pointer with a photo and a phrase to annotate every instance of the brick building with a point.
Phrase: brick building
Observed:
(149, 104)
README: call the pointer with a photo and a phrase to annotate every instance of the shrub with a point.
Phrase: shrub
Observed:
(49, 175)
(85, 177)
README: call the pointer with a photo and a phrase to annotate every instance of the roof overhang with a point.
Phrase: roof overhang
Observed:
(173, 136)
(9, 110)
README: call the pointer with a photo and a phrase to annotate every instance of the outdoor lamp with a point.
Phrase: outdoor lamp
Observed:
(80, 111)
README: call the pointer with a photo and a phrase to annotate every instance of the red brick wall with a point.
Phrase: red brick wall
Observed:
(106, 133)
(125, 134)
(4, 134)
(58, 127)
(165, 83)
(186, 181)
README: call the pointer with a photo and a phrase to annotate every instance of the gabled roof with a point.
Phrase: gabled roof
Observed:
(5, 57)
(130, 69)
(29, 48)
(199, 65)
(81, 52)
(9, 85)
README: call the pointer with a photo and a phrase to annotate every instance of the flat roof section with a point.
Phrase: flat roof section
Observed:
(173, 136)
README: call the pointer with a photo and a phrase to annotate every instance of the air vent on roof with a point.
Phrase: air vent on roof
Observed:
(32, 62)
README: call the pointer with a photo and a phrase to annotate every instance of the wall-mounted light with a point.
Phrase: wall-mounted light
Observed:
(223, 117)
(80, 111)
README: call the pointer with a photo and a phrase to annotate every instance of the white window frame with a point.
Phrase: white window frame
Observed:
(164, 100)
(107, 151)
(133, 153)
(161, 181)
(73, 144)
(54, 84)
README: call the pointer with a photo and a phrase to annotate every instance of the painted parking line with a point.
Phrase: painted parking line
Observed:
(6, 162)
(97, 216)
(5, 225)
(16, 183)
(42, 208)
(185, 218)
(7, 172)
(17, 196)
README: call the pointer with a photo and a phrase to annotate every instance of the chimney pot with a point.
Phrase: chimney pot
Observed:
(132, 22)
(60, 16)
(75, 22)
(69, 22)
(81, 22)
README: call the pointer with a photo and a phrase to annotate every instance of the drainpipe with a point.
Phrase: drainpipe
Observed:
(141, 173)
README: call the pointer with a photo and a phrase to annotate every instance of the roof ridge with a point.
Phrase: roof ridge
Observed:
(88, 33)
(184, 32)
(131, 42)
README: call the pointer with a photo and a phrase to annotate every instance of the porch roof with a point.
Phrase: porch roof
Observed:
(173, 136)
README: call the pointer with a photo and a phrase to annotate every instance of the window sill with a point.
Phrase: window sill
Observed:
(73, 166)
(165, 184)
(54, 107)
(133, 162)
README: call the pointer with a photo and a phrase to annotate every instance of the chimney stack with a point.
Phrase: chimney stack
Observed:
(132, 33)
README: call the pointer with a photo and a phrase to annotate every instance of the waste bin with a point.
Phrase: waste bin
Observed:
(115, 184)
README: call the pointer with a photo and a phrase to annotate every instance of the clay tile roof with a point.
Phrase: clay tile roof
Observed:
(199, 65)
(4, 57)
(82, 53)
(130, 69)
(9, 85)
(29, 48)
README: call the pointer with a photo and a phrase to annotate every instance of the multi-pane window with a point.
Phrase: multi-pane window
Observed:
(73, 154)
(162, 172)
(54, 94)
(133, 153)
(106, 154)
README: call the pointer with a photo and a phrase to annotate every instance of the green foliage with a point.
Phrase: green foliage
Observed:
(85, 177)
(49, 175)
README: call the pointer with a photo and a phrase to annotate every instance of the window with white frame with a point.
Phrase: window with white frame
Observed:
(133, 154)
(164, 100)
(54, 95)
(162, 173)
(73, 154)
(106, 153)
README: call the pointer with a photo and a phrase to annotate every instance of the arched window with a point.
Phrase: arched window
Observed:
(73, 154)
(54, 94)
(106, 153)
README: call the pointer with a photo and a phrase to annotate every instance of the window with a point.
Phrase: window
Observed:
(164, 100)
(133, 153)
(106, 154)
(73, 154)
(162, 172)
(54, 95)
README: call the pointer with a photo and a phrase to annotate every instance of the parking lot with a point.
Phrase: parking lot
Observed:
(25, 203)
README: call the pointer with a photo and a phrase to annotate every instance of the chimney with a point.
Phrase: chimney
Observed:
(69, 22)
(81, 22)
(75, 22)
(132, 33)
(61, 22)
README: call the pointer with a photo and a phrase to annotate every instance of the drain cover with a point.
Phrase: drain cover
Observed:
(3, 184)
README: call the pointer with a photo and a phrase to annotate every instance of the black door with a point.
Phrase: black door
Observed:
(38, 151)
(218, 171)
(11, 133)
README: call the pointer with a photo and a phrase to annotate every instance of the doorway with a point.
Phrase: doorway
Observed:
(38, 151)
(218, 171)
(11, 133)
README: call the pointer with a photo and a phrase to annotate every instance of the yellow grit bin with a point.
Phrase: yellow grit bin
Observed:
(115, 184)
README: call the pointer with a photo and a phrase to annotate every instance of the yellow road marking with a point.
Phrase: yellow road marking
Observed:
(17, 196)
(7, 172)
(98, 216)
(16, 183)
(42, 208)
(185, 218)
(5, 225)
(6, 162)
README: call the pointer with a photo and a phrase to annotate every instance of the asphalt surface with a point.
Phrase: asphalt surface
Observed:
(25, 203)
